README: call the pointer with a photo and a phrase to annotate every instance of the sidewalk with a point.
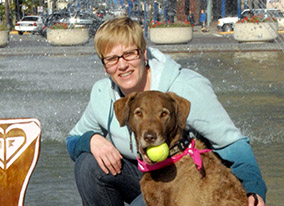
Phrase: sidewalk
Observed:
(211, 41)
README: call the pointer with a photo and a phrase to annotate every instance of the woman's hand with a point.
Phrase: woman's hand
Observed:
(253, 202)
(107, 156)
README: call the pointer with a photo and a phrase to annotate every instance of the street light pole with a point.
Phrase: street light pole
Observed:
(223, 8)
(145, 20)
(33, 4)
(165, 11)
(156, 11)
(129, 8)
(209, 12)
(239, 8)
(138, 10)
(17, 10)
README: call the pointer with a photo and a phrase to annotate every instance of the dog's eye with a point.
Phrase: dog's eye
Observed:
(164, 113)
(138, 113)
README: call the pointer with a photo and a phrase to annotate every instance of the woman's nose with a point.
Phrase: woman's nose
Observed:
(122, 64)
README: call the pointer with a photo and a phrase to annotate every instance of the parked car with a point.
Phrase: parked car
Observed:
(80, 19)
(86, 20)
(118, 12)
(227, 23)
(275, 13)
(278, 15)
(55, 17)
(280, 19)
(32, 24)
(101, 13)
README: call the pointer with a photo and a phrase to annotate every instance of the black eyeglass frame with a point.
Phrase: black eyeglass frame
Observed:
(122, 56)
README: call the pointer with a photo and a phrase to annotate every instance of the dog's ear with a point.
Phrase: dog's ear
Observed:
(122, 108)
(182, 107)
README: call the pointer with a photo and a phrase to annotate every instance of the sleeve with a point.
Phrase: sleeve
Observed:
(88, 121)
(207, 115)
(244, 166)
(78, 144)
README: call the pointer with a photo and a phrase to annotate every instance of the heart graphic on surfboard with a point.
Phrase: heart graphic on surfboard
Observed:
(10, 145)
(14, 141)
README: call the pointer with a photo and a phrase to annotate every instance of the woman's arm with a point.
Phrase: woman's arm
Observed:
(78, 144)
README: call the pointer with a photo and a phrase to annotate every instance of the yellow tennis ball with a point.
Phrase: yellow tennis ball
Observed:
(158, 153)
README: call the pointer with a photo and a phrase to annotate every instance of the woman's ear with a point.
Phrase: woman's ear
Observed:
(145, 57)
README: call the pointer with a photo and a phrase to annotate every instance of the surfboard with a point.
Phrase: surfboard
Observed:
(19, 153)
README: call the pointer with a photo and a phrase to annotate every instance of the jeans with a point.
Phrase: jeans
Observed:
(99, 189)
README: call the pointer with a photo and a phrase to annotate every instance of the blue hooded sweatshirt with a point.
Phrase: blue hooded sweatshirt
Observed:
(207, 116)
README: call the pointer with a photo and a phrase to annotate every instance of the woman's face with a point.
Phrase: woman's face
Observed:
(129, 73)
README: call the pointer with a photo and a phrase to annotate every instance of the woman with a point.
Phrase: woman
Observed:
(104, 153)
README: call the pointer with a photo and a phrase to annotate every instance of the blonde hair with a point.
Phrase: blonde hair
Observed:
(120, 30)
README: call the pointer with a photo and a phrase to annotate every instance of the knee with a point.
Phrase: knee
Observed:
(87, 169)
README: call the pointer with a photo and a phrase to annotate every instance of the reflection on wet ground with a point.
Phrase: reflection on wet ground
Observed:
(56, 89)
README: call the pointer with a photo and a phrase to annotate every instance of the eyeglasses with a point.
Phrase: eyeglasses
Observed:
(128, 56)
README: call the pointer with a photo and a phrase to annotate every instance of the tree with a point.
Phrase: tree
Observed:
(6, 19)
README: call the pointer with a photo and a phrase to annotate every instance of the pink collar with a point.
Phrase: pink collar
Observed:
(191, 150)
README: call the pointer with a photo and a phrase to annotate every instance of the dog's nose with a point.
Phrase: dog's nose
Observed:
(150, 137)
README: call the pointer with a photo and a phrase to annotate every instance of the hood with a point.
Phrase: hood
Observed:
(163, 68)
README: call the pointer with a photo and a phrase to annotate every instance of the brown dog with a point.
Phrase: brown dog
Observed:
(157, 117)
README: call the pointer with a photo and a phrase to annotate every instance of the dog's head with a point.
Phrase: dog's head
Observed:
(153, 116)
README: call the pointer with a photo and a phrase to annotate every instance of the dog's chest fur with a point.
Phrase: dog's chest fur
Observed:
(182, 184)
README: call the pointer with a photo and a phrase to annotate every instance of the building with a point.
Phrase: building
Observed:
(221, 8)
